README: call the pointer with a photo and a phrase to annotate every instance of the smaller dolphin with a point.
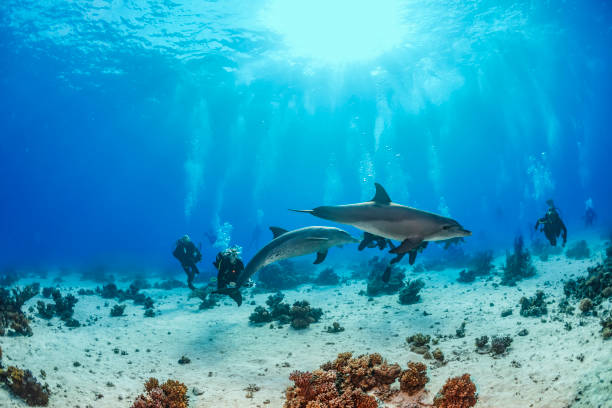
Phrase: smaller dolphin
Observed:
(289, 244)
(381, 217)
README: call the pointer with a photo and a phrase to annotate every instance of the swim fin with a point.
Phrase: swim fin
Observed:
(234, 293)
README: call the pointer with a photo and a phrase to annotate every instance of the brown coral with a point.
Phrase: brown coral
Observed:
(414, 378)
(171, 394)
(343, 383)
(24, 385)
(458, 392)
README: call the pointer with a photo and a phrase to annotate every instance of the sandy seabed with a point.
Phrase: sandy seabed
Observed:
(117, 354)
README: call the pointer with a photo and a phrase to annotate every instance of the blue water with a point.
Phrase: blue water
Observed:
(125, 124)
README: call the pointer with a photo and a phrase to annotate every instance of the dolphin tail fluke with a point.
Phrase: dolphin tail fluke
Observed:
(234, 293)
(302, 211)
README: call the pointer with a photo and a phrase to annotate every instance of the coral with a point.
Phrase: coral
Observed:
(482, 341)
(209, 299)
(274, 300)
(376, 285)
(458, 392)
(171, 394)
(327, 277)
(438, 355)
(580, 250)
(117, 310)
(281, 275)
(414, 378)
(481, 265)
(585, 305)
(63, 307)
(418, 339)
(45, 310)
(11, 316)
(343, 383)
(606, 328)
(110, 291)
(260, 315)
(460, 332)
(500, 344)
(300, 315)
(534, 306)
(518, 264)
(47, 292)
(409, 294)
(24, 385)
(349, 382)
(334, 328)
(597, 285)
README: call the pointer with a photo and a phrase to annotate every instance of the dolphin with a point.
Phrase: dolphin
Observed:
(289, 244)
(379, 216)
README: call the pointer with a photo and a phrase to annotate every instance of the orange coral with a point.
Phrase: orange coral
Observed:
(171, 394)
(343, 383)
(414, 378)
(458, 392)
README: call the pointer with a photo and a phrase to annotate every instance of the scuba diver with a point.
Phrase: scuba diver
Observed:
(188, 255)
(589, 214)
(552, 225)
(229, 265)
(589, 217)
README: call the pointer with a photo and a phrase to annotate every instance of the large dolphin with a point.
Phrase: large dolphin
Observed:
(379, 216)
(289, 244)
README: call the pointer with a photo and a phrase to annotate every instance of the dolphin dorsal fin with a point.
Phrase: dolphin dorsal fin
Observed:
(381, 196)
(277, 231)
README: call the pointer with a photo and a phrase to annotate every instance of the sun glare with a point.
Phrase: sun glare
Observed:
(336, 31)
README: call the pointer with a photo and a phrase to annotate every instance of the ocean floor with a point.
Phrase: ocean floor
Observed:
(550, 367)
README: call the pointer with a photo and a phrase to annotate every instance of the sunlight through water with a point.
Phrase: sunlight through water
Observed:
(336, 32)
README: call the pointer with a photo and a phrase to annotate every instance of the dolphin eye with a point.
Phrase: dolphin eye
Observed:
(446, 227)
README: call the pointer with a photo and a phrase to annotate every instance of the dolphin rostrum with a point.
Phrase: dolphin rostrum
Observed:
(379, 216)
(289, 244)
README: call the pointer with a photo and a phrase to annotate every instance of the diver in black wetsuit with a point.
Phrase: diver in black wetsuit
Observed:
(552, 225)
(229, 265)
(589, 217)
(188, 255)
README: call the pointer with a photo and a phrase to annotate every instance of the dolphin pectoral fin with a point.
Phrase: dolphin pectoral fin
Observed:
(387, 274)
(398, 258)
(320, 257)
(362, 245)
(407, 245)
(381, 196)
(367, 238)
(277, 232)
(234, 293)
(412, 257)
(302, 211)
